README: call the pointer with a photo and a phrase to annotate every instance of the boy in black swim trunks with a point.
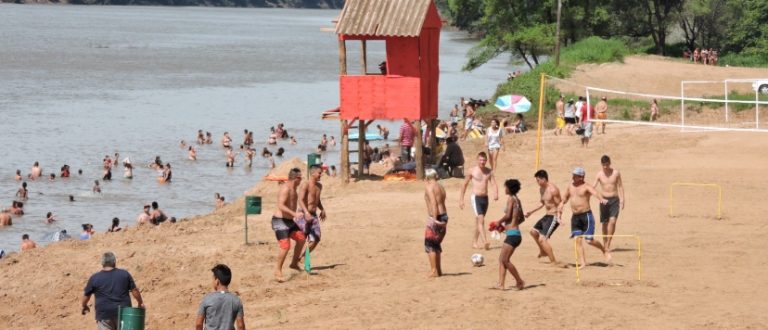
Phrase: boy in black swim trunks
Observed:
(481, 177)
(284, 226)
(546, 226)
(437, 221)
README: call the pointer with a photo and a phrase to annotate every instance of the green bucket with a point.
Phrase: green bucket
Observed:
(129, 318)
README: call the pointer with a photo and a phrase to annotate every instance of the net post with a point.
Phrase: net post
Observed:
(726, 100)
(541, 124)
(757, 110)
(682, 104)
(576, 255)
(639, 258)
(719, 202)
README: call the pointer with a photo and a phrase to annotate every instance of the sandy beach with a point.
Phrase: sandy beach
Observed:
(370, 269)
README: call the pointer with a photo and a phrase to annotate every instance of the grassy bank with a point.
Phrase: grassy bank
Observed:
(591, 50)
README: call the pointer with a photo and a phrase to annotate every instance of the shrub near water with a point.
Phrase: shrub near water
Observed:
(595, 50)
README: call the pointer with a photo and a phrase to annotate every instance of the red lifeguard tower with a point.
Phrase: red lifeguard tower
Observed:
(407, 88)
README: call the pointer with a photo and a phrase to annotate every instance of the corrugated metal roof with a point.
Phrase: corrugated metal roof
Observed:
(389, 18)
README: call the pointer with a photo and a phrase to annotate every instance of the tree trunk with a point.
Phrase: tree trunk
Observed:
(522, 54)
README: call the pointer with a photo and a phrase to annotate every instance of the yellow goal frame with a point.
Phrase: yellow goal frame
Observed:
(692, 184)
(639, 254)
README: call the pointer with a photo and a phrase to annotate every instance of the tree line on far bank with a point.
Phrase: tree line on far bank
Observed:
(526, 28)
(211, 3)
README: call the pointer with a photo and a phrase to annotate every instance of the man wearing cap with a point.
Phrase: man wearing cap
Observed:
(111, 287)
(582, 220)
(602, 113)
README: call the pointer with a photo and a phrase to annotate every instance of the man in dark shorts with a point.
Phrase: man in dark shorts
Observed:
(284, 226)
(437, 221)
(480, 176)
(111, 287)
(546, 226)
(612, 189)
(582, 220)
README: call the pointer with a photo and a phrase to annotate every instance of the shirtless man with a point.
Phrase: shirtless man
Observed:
(23, 193)
(612, 189)
(546, 226)
(5, 218)
(284, 226)
(309, 202)
(226, 141)
(582, 220)
(157, 216)
(144, 217)
(480, 175)
(26, 243)
(18, 177)
(602, 113)
(36, 171)
(437, 221)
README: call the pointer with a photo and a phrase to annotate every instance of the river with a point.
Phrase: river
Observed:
(81, 82)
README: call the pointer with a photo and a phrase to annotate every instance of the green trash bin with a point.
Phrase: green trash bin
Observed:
(129, 318)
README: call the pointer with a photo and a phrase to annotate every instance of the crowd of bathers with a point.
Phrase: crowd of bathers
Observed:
(151, 213)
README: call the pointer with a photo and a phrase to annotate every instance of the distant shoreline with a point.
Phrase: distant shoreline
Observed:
(305, 4)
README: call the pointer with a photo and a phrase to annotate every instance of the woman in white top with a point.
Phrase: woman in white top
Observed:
(494, 142)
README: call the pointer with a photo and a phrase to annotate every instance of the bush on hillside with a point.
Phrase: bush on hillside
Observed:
(595, 50)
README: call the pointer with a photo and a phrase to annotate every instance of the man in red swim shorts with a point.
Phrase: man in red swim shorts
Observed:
(284, 226)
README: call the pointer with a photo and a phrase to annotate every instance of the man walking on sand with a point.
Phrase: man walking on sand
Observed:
(480, 175)
(284, 226)
(612, 189)
(437, 221)
(582, 220)
(602, 113)
(220, 310)
(111, 286)
(546, 226)
(312, 210)
(406, 140)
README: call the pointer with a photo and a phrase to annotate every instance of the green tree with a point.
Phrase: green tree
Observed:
(749, 33)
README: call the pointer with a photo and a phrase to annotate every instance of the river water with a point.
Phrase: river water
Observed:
(81, 82)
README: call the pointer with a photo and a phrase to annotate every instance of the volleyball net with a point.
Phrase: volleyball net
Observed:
(737, 107)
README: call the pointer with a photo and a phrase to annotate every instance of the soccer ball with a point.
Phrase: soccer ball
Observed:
(477, 259)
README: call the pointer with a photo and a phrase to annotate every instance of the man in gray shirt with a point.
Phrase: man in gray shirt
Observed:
(220, 310)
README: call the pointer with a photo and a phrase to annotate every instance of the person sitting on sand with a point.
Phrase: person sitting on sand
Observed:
(220, 309)
(26, 243)
(115, 227)
(333, 171)
(582, 220)
(158, 216)
(5, 218)
(437, 221)
(96, 188)
(283, 225)
(50, 218)
(144, 216)
(510, 222)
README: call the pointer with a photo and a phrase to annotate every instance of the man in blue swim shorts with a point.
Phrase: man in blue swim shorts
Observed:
(582, 220)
